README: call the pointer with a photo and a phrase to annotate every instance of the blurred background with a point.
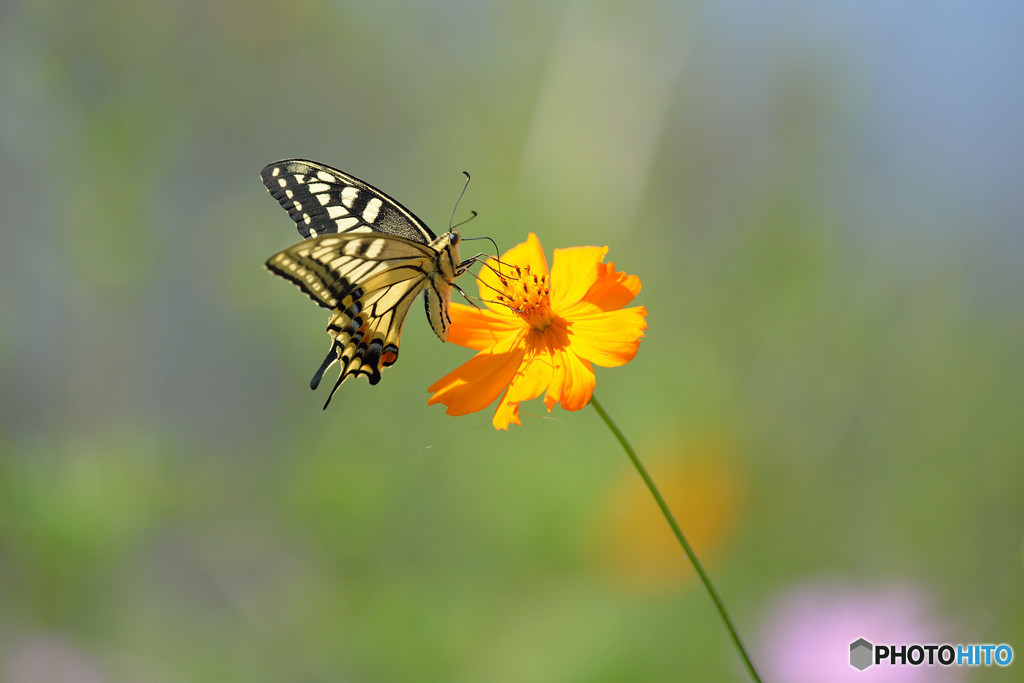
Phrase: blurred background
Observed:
(822, 200)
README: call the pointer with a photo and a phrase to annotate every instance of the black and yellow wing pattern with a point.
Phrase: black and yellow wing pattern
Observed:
(365, 258)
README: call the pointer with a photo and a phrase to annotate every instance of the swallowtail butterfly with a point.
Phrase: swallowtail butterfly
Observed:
(365, 257)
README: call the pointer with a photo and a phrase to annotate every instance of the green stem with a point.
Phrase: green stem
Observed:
(679, 536)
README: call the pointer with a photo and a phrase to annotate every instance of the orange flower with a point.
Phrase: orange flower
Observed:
(541, 331)
(703, 485)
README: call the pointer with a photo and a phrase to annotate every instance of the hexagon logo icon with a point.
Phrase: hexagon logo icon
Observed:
(860, 654)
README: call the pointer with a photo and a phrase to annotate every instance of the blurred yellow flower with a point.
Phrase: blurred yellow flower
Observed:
(702, 485)
(541, 332)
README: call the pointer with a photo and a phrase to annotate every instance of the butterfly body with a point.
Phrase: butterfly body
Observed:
(365, 258)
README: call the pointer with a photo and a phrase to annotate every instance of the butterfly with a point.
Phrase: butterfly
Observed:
(365, 258)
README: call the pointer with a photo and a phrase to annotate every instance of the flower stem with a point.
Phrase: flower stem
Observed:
(679, 536)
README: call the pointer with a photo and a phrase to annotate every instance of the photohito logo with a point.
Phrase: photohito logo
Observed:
(863, 654)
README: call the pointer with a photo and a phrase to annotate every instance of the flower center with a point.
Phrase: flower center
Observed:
(529, 296)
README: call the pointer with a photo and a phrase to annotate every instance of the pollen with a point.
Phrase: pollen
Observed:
(529, 296)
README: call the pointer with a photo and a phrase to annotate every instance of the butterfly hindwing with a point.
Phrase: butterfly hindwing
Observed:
(323, 200)
(369, 280)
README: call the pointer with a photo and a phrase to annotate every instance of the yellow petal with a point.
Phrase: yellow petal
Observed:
(528, 254)
(572, 381)
(475, 384)
(533, 376)
(608, 339)
(573, 273)
(506, 414)
(481, 329)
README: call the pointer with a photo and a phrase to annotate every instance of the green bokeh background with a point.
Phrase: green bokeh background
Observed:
(830, 253)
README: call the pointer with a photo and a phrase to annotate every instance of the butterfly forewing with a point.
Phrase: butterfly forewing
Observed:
(366, 259)
(323, 200)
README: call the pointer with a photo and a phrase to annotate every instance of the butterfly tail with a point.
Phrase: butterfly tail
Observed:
(331, 359)
(341, 378)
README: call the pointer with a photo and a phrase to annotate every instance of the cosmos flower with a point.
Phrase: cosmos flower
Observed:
(542, 331)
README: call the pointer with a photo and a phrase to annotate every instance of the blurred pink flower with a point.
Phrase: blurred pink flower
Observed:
(49, 658)
(806, 635)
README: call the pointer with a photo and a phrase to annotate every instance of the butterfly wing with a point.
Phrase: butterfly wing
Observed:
(323, 200)
(366, 258)
(369, 281)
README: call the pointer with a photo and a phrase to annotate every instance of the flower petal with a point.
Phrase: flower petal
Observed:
(529, 382)
(608, 338)
(481, 329)
(506, 414)
(528, 254)
(572, 381)
(574, 272)
(612, 290)
(476, 383)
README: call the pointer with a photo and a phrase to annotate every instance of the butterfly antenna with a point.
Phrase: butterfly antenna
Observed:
(461, 194)
(473, 214)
